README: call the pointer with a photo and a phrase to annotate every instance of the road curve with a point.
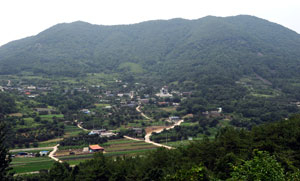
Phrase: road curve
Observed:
(79, 126)
(138, 110)
(148, 135)
(51, 155)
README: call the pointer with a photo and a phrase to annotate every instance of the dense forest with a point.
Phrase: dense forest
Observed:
(232, 46)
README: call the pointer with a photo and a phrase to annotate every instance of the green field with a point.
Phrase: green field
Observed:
(31, 164)
(71, 130)
(116, 147)
(52, 115)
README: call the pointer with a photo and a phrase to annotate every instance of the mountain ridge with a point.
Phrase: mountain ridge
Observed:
(220, 41)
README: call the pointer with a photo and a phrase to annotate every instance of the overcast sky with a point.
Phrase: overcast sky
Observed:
(22, 18)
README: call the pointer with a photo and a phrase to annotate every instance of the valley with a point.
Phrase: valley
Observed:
(152, 100)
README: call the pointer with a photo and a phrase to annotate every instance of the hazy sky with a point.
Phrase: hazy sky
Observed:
(22, 18)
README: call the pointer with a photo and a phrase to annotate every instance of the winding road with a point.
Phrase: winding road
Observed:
(148, 135)
(51, 155)
(138, 110)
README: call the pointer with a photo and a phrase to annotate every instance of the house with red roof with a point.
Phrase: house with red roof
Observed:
(95, 148)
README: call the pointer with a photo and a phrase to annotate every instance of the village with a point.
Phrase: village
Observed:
(121, 119)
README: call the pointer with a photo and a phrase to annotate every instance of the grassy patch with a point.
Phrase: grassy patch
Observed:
(132, 67)
(76, 162)
(118, 153)
(71, 130)
(28, 164)
(168, 109)
(101, 105)
(52, 115)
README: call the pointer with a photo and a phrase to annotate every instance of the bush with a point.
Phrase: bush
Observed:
(27, 145)
(35, 144)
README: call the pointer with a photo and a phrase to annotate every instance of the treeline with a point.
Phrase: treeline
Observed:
(7, 104)
(235, 100)
(30, 135)
(268, 152)
(178, 133)
(82, 139)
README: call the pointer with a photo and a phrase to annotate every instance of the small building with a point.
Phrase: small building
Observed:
(44, 153)
(98, 132)
(174, 118)
(163, 103)
(31, 87)
(85, 149)
(95, 148)
(22, 154)
(164, 92)
(85, 111)
(144, 101)
(107, 134)
(212, 114)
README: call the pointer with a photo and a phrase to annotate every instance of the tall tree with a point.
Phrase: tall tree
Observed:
(5, 157)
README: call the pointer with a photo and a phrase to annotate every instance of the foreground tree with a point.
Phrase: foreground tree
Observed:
(5, 158)
(261, 167)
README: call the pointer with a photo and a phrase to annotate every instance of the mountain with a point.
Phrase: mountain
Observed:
(231, 46)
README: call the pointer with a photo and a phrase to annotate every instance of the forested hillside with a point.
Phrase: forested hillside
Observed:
(244, 64)
(232, 47)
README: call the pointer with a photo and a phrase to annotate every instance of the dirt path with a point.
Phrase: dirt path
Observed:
(79, 126)
(138, 110)
(148, 135)
(26, 173)
(130, 138)
(51, 155)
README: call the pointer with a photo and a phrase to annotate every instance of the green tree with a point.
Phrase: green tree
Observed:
(193, 174)
(5, 158)
(60, 171)
(261, 167)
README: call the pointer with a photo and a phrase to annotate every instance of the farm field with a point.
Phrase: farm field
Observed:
(71, 130)
(116, 147)
(31, 164)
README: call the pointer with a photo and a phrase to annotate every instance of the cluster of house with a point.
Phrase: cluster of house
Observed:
(42, 111)
(28, 90)
(296, 103)
(102, 133)
(164, 92)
